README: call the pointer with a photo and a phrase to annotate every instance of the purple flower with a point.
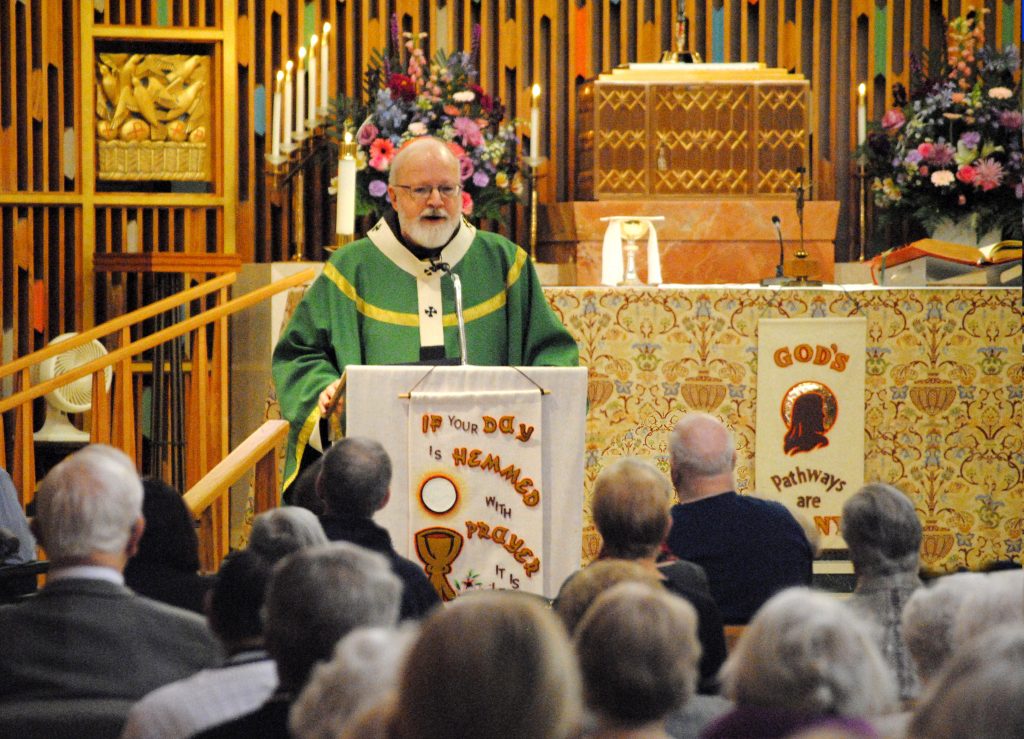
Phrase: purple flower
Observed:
(1010, 119)
(971, 139)
(377, 188)
(480, 179)
(913, 157)
(942, 154)
(366, 134)
(466, 168)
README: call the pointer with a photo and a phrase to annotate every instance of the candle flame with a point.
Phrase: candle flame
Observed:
(536, 91)
(280, 75)
(348, 137)
(861, 89)
(313, 41)
(327, 27)
(302, 53)
(288, 66)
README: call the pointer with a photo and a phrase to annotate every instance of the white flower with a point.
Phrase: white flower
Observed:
(1000, 93)
(942, 177)
(417, 128)
(464, 96)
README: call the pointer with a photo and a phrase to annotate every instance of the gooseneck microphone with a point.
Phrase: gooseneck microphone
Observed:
(437, 266)
(777, 222)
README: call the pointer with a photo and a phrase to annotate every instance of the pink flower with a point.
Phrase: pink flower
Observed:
(922, 170)
(382, 151)
(1011, 119)
(366, 134)
(467, 203)
(988, 174)
(467, 130)
(893, 120)
(926, 149)
(466, 168)
(966, 174)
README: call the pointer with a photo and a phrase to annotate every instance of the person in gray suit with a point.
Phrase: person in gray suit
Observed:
(86, 636)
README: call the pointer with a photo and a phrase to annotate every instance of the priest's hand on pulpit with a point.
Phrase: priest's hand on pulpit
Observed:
(326, 400)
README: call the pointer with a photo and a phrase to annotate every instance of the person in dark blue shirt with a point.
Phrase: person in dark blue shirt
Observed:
(750, 548)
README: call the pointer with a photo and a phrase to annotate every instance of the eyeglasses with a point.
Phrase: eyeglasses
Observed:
(422, 192)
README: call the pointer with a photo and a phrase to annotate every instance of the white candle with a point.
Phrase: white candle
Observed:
(288, 125)
(346, 220)
(862, 114)
(324, 61)
(275, 147)
(312, 80)
(300, 95)
(535, 124)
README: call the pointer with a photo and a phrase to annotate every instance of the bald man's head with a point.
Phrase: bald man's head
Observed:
(703, 455)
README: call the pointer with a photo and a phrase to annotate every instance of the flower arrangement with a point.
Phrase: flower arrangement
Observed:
(952, 149)
(408, 96)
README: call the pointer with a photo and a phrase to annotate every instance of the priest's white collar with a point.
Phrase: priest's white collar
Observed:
(452, 253)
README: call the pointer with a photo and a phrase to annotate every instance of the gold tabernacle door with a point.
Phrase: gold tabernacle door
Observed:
(669, 131)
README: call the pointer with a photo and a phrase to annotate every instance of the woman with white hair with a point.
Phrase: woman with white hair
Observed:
(805, 658)
(883, 533)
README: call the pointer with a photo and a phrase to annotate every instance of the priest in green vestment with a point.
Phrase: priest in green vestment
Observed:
(387, 299)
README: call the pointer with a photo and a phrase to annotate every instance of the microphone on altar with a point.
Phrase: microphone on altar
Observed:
(780, 274)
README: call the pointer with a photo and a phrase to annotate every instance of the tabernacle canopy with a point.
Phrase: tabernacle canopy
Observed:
(375, 303)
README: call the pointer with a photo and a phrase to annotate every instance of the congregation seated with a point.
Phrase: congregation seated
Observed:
(638, 652)
(804, 658)
(631, 507)
(883, 534)
(166, 566)
(85, 639)
(280, 531)
(360, 677)
(750, 548)
(315, 597)
(489, 665)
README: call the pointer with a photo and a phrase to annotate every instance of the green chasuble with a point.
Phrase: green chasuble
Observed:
(375, 303)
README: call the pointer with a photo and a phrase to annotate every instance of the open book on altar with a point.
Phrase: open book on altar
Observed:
(934, 262)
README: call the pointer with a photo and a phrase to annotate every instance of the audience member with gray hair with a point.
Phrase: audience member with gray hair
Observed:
(490, 665)
(804, 657)
(750, 548)
(281, 531)
(86, 636)
(883, 533)
(980, 693)
(999, 600)
(362, 674)
(631, 507)
(638, 652)
(316, 596)
(929, 618)
(354, 483)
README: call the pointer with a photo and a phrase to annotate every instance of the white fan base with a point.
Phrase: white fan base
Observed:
(58, 428)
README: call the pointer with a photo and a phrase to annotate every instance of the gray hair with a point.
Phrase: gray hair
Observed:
(700, 446)
(999, 600)
(929, 617)
(420, 146)
(494, 664)
(316, 596)
(354, 477)
(980, 694)
(806, 651)
(882, 530)
(638, 652)
(581, 589)
(89, 503)
(281, 531)
(361, 674)
(630, 505)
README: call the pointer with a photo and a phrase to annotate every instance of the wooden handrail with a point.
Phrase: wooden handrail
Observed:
(115, 324)
(140, 345)
(230, 469)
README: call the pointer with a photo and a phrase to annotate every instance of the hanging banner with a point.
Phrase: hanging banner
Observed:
(476, 487)
(810, 416)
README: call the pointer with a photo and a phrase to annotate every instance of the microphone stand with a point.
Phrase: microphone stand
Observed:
(459, 316)
(780, 274)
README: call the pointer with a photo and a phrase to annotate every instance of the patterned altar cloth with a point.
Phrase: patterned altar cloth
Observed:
(943, 402)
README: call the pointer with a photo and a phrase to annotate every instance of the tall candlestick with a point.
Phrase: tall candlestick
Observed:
(288, 126)
(275, 147)
(300, 96)
(346, 220)
(324, 61)
(535, 123)
(862, 114)
(312, 80)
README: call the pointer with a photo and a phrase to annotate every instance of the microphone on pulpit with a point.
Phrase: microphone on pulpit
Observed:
(777, 222)
(436, 266)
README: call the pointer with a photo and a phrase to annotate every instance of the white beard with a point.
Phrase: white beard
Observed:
(427, 234)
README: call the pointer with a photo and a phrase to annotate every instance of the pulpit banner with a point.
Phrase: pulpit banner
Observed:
(810, 416)
(476, 485)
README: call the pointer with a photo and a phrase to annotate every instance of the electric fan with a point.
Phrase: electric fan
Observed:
(75, 397)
